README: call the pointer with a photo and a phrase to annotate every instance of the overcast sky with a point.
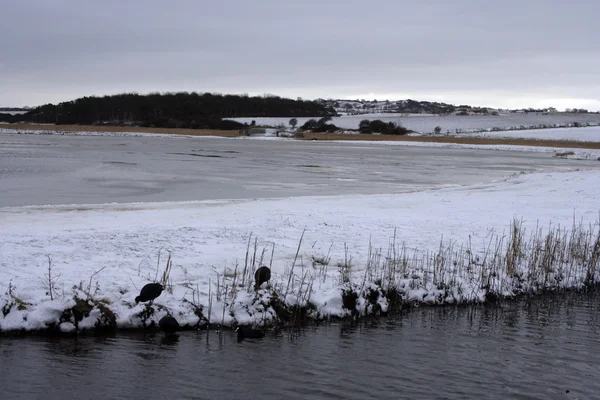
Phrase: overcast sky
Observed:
(497, 53)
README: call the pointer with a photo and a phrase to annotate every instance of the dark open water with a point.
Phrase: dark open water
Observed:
(537, 349)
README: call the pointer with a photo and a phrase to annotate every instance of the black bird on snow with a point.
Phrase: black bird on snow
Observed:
(262, 275)
(149, 292)
(168, 324)
(248, 333)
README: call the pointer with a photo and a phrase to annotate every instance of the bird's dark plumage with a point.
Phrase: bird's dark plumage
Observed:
(248, 333)
(149, 292)
(262, 275)
(168, 324)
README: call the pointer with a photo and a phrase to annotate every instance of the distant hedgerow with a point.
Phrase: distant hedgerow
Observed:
(379, 126)
(319, 126)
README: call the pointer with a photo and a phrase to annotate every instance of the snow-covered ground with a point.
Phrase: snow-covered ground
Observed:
(60, 132)
(586, 134)
(13, 112)
(208, 242)
(566, 152)
(448, 123)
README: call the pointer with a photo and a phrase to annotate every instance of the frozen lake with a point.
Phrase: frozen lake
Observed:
(46, 169)
(448, 123)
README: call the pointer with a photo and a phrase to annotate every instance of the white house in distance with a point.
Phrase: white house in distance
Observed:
(251, 131)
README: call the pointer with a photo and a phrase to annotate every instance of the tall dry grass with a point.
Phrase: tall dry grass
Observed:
(517, 262)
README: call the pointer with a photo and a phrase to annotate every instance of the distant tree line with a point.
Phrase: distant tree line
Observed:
(321, 125)
(173, 110)
(365, 126)
(379, 126)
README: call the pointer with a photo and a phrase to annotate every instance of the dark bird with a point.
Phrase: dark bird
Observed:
(168, 324)
(149, 292)
(248, 333)
(262, 275)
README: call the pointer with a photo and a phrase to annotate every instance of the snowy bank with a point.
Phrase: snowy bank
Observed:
(357, 255)
(583, 134)
(58, 132)
(447, 123)
(567, 152)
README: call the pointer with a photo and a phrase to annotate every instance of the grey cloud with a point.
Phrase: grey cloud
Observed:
(53, 51)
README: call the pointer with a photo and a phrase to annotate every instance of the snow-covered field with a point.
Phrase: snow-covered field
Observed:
(60, 132)
(585, 134)
(108, 252)
(566, 152)
(12, 112)
(449, 123)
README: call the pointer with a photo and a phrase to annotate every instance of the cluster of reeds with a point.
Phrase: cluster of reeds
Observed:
(509, 264)
(506, 265)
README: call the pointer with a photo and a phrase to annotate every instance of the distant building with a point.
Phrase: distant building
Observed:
(250, 131)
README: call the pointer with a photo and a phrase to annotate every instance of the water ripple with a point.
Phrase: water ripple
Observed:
(522, 350)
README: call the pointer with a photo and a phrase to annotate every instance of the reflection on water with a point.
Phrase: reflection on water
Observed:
(543, 348)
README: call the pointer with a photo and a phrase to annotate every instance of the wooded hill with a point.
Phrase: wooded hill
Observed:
(174, 110)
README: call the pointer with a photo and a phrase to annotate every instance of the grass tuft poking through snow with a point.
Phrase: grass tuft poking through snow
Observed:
(520, 262)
